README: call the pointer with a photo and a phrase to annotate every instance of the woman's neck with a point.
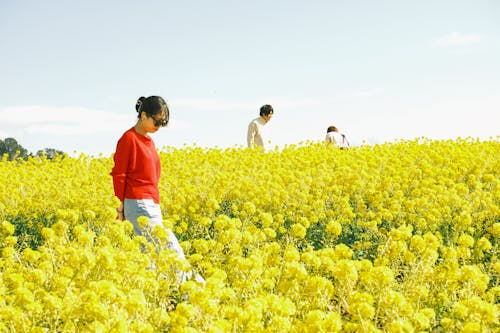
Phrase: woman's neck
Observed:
(139, 129)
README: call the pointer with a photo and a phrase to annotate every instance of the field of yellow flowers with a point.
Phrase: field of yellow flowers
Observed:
(397, 237)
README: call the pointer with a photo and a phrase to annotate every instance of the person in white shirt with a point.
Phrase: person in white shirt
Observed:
(255, 128)
(338, 139)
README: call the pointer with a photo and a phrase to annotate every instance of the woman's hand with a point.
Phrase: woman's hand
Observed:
(120, 215)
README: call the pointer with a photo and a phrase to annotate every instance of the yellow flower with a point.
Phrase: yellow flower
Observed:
(460, 310)
(143, 222)
(473, 276)
(484, 244)
(48, 234)
(60, 228)
(186, 310)
(362, 310)
(10, 241)
(447, 323)
(334, 228)
(471, 327)
(400, 326)
(249, 208)
(379, 277)
(319, 321)
(495, 229)
(23, 296)
(466, 240)
(205, 222)
(270, 233)
(31, 256)
(8, 252)
(135, 302)
(291, 254)
(342, 251)
(361, 305)
(345, 271)
(417, 244)
(423, 319)
(52, 302)
(37, 276)
(298, 230)
(7, 228)
(160, 233)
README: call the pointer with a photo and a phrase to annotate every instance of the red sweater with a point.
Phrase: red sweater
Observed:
(137, 167)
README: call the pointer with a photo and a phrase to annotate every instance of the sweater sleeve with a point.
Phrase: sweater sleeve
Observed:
(251, 134)
(120, 169)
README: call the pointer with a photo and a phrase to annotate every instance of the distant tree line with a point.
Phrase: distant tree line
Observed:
(14, 150)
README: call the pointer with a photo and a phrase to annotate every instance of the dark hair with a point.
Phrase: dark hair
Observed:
(331, 129)
(266, 110)
(152, 105)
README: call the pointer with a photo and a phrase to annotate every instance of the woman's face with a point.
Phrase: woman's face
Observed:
(154, 123)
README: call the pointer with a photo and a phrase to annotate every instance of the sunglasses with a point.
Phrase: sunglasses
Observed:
(160, 122)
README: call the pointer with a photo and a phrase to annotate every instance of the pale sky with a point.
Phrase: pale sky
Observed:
(71, 71)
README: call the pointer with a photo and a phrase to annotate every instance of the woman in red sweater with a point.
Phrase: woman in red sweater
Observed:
(137, 165)
(137, 171)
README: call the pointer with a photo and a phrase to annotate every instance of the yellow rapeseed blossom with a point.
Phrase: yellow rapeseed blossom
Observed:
(143, 222)
(394, 237)
(334, 228)
(298, 231)
(7, 228)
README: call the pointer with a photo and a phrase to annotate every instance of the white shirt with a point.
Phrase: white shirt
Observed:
(337, 139)
(255, 131)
